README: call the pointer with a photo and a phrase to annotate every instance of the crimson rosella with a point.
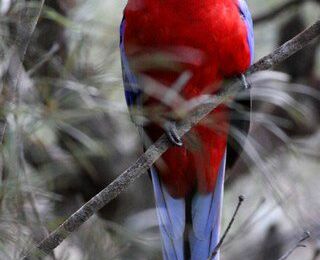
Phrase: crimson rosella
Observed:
(198, 43)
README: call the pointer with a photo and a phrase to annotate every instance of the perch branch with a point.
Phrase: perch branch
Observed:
(162, 144)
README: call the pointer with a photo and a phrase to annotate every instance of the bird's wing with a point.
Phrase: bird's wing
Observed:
(245, 13)
(170, 211)
(131, 88)
(234, 146)
(206, 214)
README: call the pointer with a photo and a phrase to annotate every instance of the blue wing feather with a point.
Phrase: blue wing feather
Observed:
(131, 88)
(245, 12)
(170, 211)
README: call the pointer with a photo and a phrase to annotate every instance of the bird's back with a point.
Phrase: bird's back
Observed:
(207, 39)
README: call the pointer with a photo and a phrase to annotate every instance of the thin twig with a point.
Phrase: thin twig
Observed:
(287, 49)
(162, 144)
(244, 226)
(298, 245)
(316, 254)
(46, 57)
(216, 249)
(276, 11)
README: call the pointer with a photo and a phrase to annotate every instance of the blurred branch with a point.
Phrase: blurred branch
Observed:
(287, 49)
(26, 31)
(153, 153)
(304, 238)
(3, 126)
(46, 57)
(316, 253)
(277, 11)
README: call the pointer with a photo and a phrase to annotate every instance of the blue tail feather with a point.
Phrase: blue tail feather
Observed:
(171, 216)
(206, 215)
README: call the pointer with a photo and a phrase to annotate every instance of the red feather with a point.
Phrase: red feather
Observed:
(207, 38)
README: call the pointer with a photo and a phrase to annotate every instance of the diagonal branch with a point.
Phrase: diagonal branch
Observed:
(141, 166)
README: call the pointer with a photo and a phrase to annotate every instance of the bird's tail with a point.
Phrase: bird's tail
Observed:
(206, 214)
(171, 216)
(206, 217)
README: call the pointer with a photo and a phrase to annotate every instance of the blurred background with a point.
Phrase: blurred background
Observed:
(66, 134)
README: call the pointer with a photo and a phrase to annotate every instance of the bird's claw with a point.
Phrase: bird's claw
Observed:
(244, 82)
(171, 131)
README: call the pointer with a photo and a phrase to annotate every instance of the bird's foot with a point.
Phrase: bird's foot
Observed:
(171, 131)
(244, 82)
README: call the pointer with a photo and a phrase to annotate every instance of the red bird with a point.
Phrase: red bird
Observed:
(188, 46)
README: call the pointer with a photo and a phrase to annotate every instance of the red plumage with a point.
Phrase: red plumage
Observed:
(207, 38)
